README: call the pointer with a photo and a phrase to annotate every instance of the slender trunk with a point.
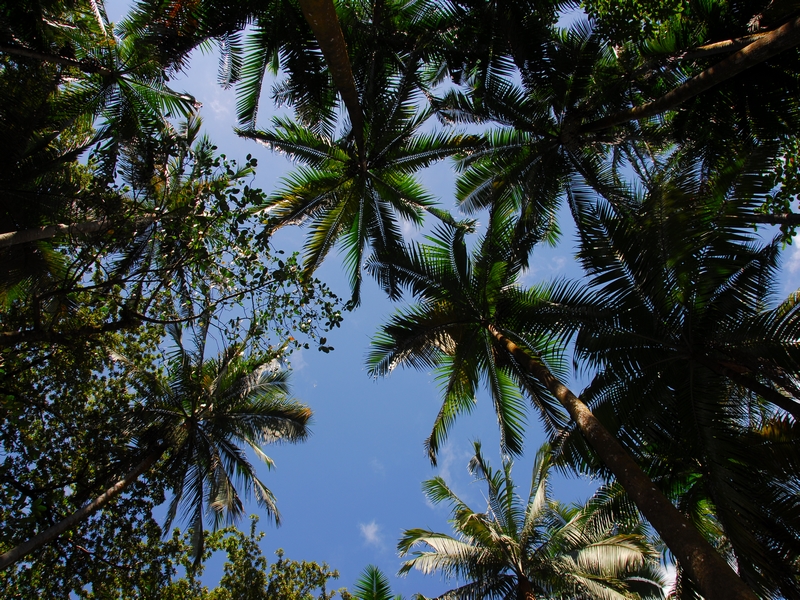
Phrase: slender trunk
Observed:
(767, 46)
(46, 232)
(321, 17)
(12, 338)
(524, 589)
(768, 393)
(774, 219)
(85, 66)
(51, 533)
(714, 578)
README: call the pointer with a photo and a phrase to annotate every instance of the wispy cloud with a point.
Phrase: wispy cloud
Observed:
(371, 532)
(457, 479)
(220, 108)
(377, 466)
(297, 360)
(547, 268)
(793, 263)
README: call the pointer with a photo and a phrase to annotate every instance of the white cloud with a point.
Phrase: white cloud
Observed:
(371, 532)
(447, 456)
(221, 109)
(557, 264)
(297, 361)
(377, 466)
(793, 263)
(457, 479)
(542, 269)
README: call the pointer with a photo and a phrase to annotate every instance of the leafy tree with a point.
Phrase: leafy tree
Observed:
(536, 548)
(95, 71)
(246, 574)
(173, 242)
(62, 441)
(193, 422)
(352, 200)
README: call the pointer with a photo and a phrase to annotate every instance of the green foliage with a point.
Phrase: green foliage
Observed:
(538, 547)
(245, 573)
(691, 360)
(634, 20)
(60, 440)
(373, 585)
(115, 223)
(786, 182)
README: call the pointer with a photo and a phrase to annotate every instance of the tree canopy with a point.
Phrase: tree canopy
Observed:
(666, 131)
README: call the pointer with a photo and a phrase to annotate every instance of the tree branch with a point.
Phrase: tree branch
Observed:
(12, 338)
(46, 232)
(767, 46)
(85, 66)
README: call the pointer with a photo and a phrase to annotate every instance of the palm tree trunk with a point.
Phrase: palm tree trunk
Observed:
(766, 46)
(524, 588)
(48, 535)
(714, 578)
(321, 17)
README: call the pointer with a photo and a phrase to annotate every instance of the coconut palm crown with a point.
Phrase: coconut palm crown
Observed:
(537, 548)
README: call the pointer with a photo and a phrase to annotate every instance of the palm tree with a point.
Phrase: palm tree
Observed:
(537, 548)
(352, 199)
(373, 585)
(191, 424)
(584, 108)
(697, 373)
(472, 323)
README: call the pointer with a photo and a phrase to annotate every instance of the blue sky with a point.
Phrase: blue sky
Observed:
(347, 494)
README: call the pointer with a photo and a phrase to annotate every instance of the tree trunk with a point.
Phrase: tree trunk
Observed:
(524, 588)
(789, 218)
(749, 382)
(12, 338)
(46, 232)
(321, 17)
(714, 578)
(85, 66)
(767, 46)
(51, 533)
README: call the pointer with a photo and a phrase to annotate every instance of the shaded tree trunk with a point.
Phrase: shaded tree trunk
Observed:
(766, 46)
(56, 59)
(321, 17)
(713, 576)
(51, 533)
(524, 589)
(46, 232)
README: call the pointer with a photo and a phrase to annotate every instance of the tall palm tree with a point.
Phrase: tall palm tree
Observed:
(192, 423)
(697, 372)
(535, 548)
(471, 323)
